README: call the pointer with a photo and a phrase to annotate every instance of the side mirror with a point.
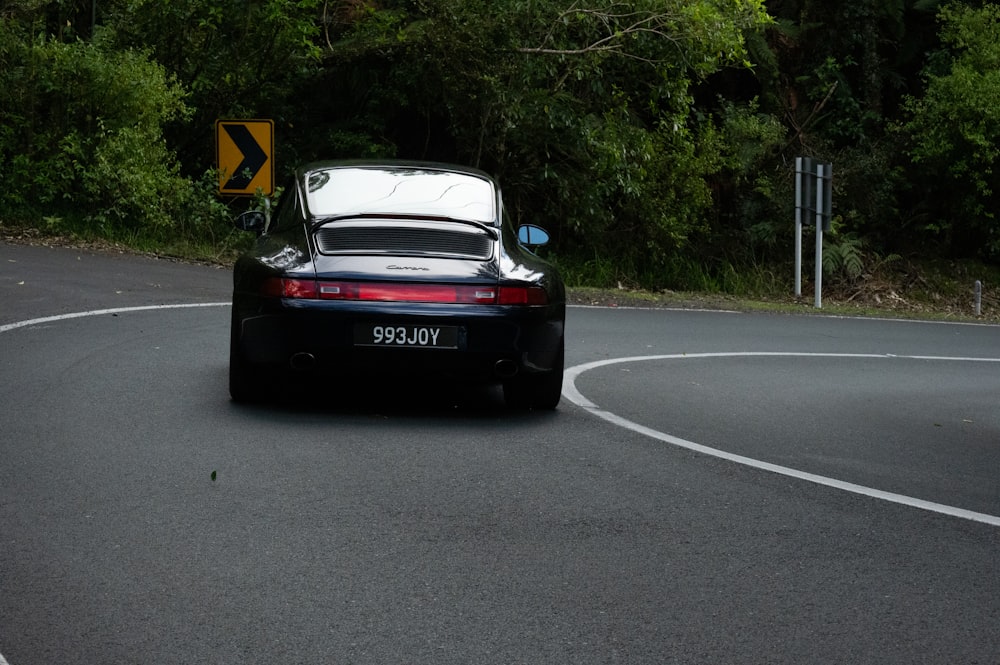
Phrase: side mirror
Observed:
(251, 220)
(530, 235)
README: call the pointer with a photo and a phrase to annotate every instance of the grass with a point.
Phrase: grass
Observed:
(905, 288)
(805, 304)
(222, 251)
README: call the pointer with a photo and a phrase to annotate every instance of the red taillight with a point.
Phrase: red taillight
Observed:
(403, 292)
(388, 292)
(283, 287)
(523, 295)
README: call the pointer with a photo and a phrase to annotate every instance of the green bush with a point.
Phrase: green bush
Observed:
(82, 137)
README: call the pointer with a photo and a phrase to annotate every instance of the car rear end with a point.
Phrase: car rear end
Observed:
(429, 285)
(379, 305)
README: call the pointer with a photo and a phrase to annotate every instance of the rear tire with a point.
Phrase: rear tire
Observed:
(537, 391)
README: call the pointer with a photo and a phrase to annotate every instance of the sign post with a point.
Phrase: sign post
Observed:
(813, 193)
(800, 168)
(818, 298)
(244, 156)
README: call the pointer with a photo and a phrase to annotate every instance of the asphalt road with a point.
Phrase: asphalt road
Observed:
(842, 506)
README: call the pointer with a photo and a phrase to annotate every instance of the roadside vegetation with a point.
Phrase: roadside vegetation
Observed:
(655, 139)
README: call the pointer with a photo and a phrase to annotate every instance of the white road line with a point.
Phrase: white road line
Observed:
(571, 393)
(99, 312)
(2, 661)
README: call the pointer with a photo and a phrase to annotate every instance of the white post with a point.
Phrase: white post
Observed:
(798, 227)
(819, 236)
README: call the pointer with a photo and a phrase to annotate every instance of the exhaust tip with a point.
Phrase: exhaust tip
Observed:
(302, 361)
(505, 368)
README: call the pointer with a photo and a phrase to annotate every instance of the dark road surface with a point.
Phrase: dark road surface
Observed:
(410, 524)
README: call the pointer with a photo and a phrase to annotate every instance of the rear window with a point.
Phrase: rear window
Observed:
(345, 191)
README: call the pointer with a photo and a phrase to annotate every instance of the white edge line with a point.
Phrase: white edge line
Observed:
(704, 310)
(820, 314)
(99, 312)
(571, 393)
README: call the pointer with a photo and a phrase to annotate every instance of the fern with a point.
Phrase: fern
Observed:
(845, 258)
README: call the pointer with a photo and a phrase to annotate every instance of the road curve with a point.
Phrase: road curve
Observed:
(144, 517)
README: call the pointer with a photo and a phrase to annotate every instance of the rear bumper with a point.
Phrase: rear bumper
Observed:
(494, 341)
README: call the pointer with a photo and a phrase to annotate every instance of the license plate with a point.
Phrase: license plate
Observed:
(409, 336)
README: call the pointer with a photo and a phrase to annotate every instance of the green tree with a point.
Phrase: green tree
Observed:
(234, 58)
(954, 131)
(80, 132)
(585, 113)
(836, 75)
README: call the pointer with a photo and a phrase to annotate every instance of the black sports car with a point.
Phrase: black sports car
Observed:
(394, 267)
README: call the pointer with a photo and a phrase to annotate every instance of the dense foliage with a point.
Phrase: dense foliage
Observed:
(654, 138)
